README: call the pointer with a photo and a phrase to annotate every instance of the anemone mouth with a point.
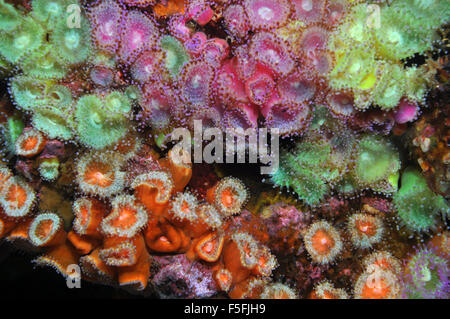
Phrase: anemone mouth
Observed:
(175, 55)
(122, 255)
(288, 119)
(210, 246)
(53, 122)
(230, 196)
(139, 33)
(341, 103)
(30, 143)
(297, 89)
(43, 228)
(224, 279)
(314, 39)
(365, 230)
(267, 14)
(322, 242)
(184, 207)
(54, 8)
(273, 52)
(16, 197)
(146, 66)
(196, 83)
(309, 11)
(22, 41)
(99, 175)
(72, 40)
(160, 181)
(126, 218)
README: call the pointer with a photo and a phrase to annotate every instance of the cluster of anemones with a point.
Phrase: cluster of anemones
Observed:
(232, 65)
(180, 73)
(114, 233)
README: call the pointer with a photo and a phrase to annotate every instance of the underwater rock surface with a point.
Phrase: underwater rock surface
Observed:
(356, 93)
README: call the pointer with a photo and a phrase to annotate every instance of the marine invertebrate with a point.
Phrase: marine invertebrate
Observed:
(229, 195)
(30, 143)
(99, 174)
(376, 162)
(278, 291)
(323, 242)
(105, 18)
(194, 280)
(381, 285)
(267, 14)
(90, 179)
(426, 275)
(365, 230)
(88, 216)
(175, 55)
(326, 290)
(139, 33)
(26, 37)
(384, 260)
(49, 168)
(417, 206)
(96, 127)
(46, 229)
(72, 45)
(377, 80)
(126, 219)
(16, 197)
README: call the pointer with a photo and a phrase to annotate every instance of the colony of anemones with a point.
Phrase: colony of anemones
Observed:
(88, 176)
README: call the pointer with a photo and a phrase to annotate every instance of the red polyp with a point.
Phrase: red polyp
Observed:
(272, 52)
(406, 111)
(215, 51)
(267, 14)
(178, 28)
(309, 11)
(287, 118)
(195, 83)
(228, 84)
(106, 27)
(139, 33)
(260, 86)
(245, 64)
(314, 39)
(200, 12)
(296, 89)
(147, 66)
(196, 43)
(236, 20)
